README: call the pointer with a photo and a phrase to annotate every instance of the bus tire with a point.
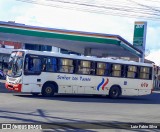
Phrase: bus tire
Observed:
(48, 90)
(114, 92)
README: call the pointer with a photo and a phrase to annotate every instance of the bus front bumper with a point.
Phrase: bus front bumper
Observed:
(13, 87)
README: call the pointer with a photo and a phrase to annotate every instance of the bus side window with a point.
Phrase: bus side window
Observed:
(44, 63)
(84, 67)
(101, 68)
(66, 65)
(132, 71)
(144, 73)
(54, 64)
(32, 65)
(36, 65)
(26, 64)
(51, 64)
(116, 70)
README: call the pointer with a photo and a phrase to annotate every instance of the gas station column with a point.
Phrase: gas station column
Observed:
(139, 38)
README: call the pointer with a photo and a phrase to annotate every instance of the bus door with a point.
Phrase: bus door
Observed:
(32, 81)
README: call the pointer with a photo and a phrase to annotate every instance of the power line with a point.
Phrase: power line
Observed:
(129, 7)
(146, 6)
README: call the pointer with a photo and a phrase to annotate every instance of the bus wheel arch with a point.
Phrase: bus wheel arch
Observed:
(49, 88)
(115, 91)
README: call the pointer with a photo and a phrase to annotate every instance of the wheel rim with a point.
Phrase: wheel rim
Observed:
(48, 90)
(114, 93)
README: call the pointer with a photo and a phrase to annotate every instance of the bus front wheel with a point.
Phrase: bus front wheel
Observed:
(48, 90)
(114, 92)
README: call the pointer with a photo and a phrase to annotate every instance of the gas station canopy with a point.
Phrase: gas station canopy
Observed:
(96, 44)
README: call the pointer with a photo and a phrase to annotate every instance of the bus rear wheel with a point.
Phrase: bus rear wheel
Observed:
(48, 90)
(114, 92)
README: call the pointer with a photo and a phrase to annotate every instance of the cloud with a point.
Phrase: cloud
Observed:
(11, 9)
(78, 20)
(153, 39)
(154, 56)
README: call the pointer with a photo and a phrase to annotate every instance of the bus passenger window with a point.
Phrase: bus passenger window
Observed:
(84, 67)
(32, 65)
(51, 64)
(116, 70)
(44, 63)
(66, 65)
(36, 65)
(101, 68)
(44, 67)
(144, 73)
(131, 71)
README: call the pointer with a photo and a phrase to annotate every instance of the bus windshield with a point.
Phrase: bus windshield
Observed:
(15, 64)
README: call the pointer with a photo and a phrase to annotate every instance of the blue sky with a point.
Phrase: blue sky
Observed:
(32, 14)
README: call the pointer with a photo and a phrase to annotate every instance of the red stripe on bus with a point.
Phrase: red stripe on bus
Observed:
(105, 84)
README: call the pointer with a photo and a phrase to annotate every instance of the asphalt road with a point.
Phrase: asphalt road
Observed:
(25, 108)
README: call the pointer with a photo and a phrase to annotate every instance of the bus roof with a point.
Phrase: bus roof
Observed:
(91, 58)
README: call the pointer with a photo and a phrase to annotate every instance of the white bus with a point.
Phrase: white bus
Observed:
(48, 73)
